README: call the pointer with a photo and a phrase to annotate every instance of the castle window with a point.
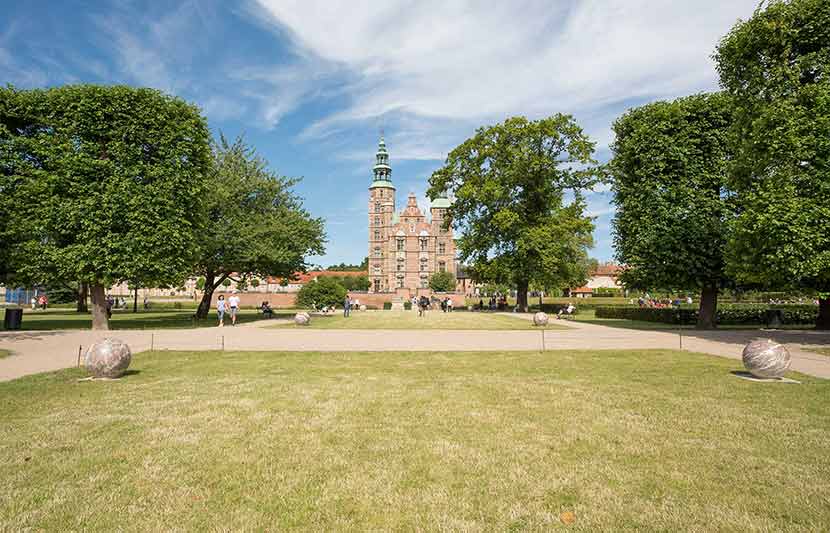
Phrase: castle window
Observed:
(377, 221)
(377, 285)
(423, 244)
(377, 207)
(400, 244)
(377, 251)
(400, 283)
(400, 266)
(442, 248)
(377, 235)
(424, 284)
(442, 266)
(423, 265)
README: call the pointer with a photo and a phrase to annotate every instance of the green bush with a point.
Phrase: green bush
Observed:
(442, 282)
(321, 292)
(387, 306)
(727, 315)
(406, 305)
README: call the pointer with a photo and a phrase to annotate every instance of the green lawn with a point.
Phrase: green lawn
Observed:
(69, 319)
(589, 316)
(646, 441)
(435, 319)
(4, 353)
(822, 351)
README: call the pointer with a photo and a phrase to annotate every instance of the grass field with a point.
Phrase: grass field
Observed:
(69, 319)
(653, 440)
(822, 351)
(436, 319)
(4, 353)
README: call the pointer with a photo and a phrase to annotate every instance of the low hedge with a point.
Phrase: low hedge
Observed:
(407, 305)
(727, 315)
(387, 306)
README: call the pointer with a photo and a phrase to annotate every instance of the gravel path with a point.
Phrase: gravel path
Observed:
(35, 352)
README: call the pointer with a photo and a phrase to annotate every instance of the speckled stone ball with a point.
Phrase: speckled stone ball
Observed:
(108, 358)
(765, 358)
(540, 319)
(362, 307)
(302, 318)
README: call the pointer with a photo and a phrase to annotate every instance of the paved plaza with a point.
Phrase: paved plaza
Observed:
(35, 352)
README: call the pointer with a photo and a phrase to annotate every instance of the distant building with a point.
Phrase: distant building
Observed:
(405, 248)
(605, 276)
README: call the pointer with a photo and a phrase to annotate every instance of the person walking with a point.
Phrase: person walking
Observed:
(220, 309)
(347, 306)
(233, 302)
(34, 303)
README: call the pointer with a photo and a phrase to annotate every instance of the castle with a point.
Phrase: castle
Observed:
(405, 248)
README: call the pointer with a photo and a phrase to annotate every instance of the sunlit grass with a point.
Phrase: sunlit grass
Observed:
(435, 319)
(636, 440)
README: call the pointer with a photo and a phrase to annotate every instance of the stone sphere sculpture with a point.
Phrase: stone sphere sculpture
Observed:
(540, 319)
(765, 358)
(362, 307)
(107, 358)
(302, 318)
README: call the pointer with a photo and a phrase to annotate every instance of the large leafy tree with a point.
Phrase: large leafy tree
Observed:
(104, 183)
(669, 172)
(320, 292)
(442, 282)
(254, 224)
(776, 65)
(518, 203)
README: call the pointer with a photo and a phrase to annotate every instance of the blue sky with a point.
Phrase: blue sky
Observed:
(310, 83)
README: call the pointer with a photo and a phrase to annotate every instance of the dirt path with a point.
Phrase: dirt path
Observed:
(35, 352)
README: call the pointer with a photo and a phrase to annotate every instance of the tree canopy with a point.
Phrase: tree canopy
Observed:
(101, 185)
(442, 282)
(253, 223)
(321, 291)
(518, 204)
(776, 65)
(669, 171)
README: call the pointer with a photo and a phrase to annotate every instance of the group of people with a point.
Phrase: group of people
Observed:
(493, 304)
(349, 303)
(230, 306)
(41, 302)
(661, 303)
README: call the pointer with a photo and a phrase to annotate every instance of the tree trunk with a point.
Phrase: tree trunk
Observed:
(708, 308)
(210, 285)
(823, 320)
(81, 306)
(100, 320)
(521, 296)
(135, 300)
(540, 300)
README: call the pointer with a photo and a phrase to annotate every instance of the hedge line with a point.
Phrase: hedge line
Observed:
(727, 315)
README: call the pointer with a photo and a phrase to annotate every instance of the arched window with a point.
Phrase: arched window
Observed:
(423, 244)
(442, 266)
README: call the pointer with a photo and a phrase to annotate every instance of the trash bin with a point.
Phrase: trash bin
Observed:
(774, 318)
(13, 318)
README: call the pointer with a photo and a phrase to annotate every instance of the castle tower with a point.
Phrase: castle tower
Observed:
(444, 242)
(381, 212)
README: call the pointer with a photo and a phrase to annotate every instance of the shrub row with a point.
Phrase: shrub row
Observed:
(727, 315)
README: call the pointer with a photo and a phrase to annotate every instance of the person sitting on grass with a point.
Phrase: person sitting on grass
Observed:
(266, 310)
(566, 311)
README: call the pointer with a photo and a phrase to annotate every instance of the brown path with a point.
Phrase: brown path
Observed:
(43, 351)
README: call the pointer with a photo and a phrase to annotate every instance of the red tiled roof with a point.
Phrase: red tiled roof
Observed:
(583, 290)
(607, 270)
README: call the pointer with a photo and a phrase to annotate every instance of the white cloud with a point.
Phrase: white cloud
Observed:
(465, 63)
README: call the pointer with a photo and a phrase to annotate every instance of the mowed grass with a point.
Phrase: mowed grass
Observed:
(125, 319)
(435, 319)
(822, 351)
(627, 441)
(4, 353)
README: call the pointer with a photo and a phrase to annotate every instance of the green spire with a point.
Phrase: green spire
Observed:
(382, 170)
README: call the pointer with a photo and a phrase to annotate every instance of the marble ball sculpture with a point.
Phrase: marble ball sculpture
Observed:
(540, 319)
(302, 318)
(765, 358)
(107, 358)
(362, 307)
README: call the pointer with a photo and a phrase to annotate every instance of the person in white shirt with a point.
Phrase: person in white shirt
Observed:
(233, 302)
